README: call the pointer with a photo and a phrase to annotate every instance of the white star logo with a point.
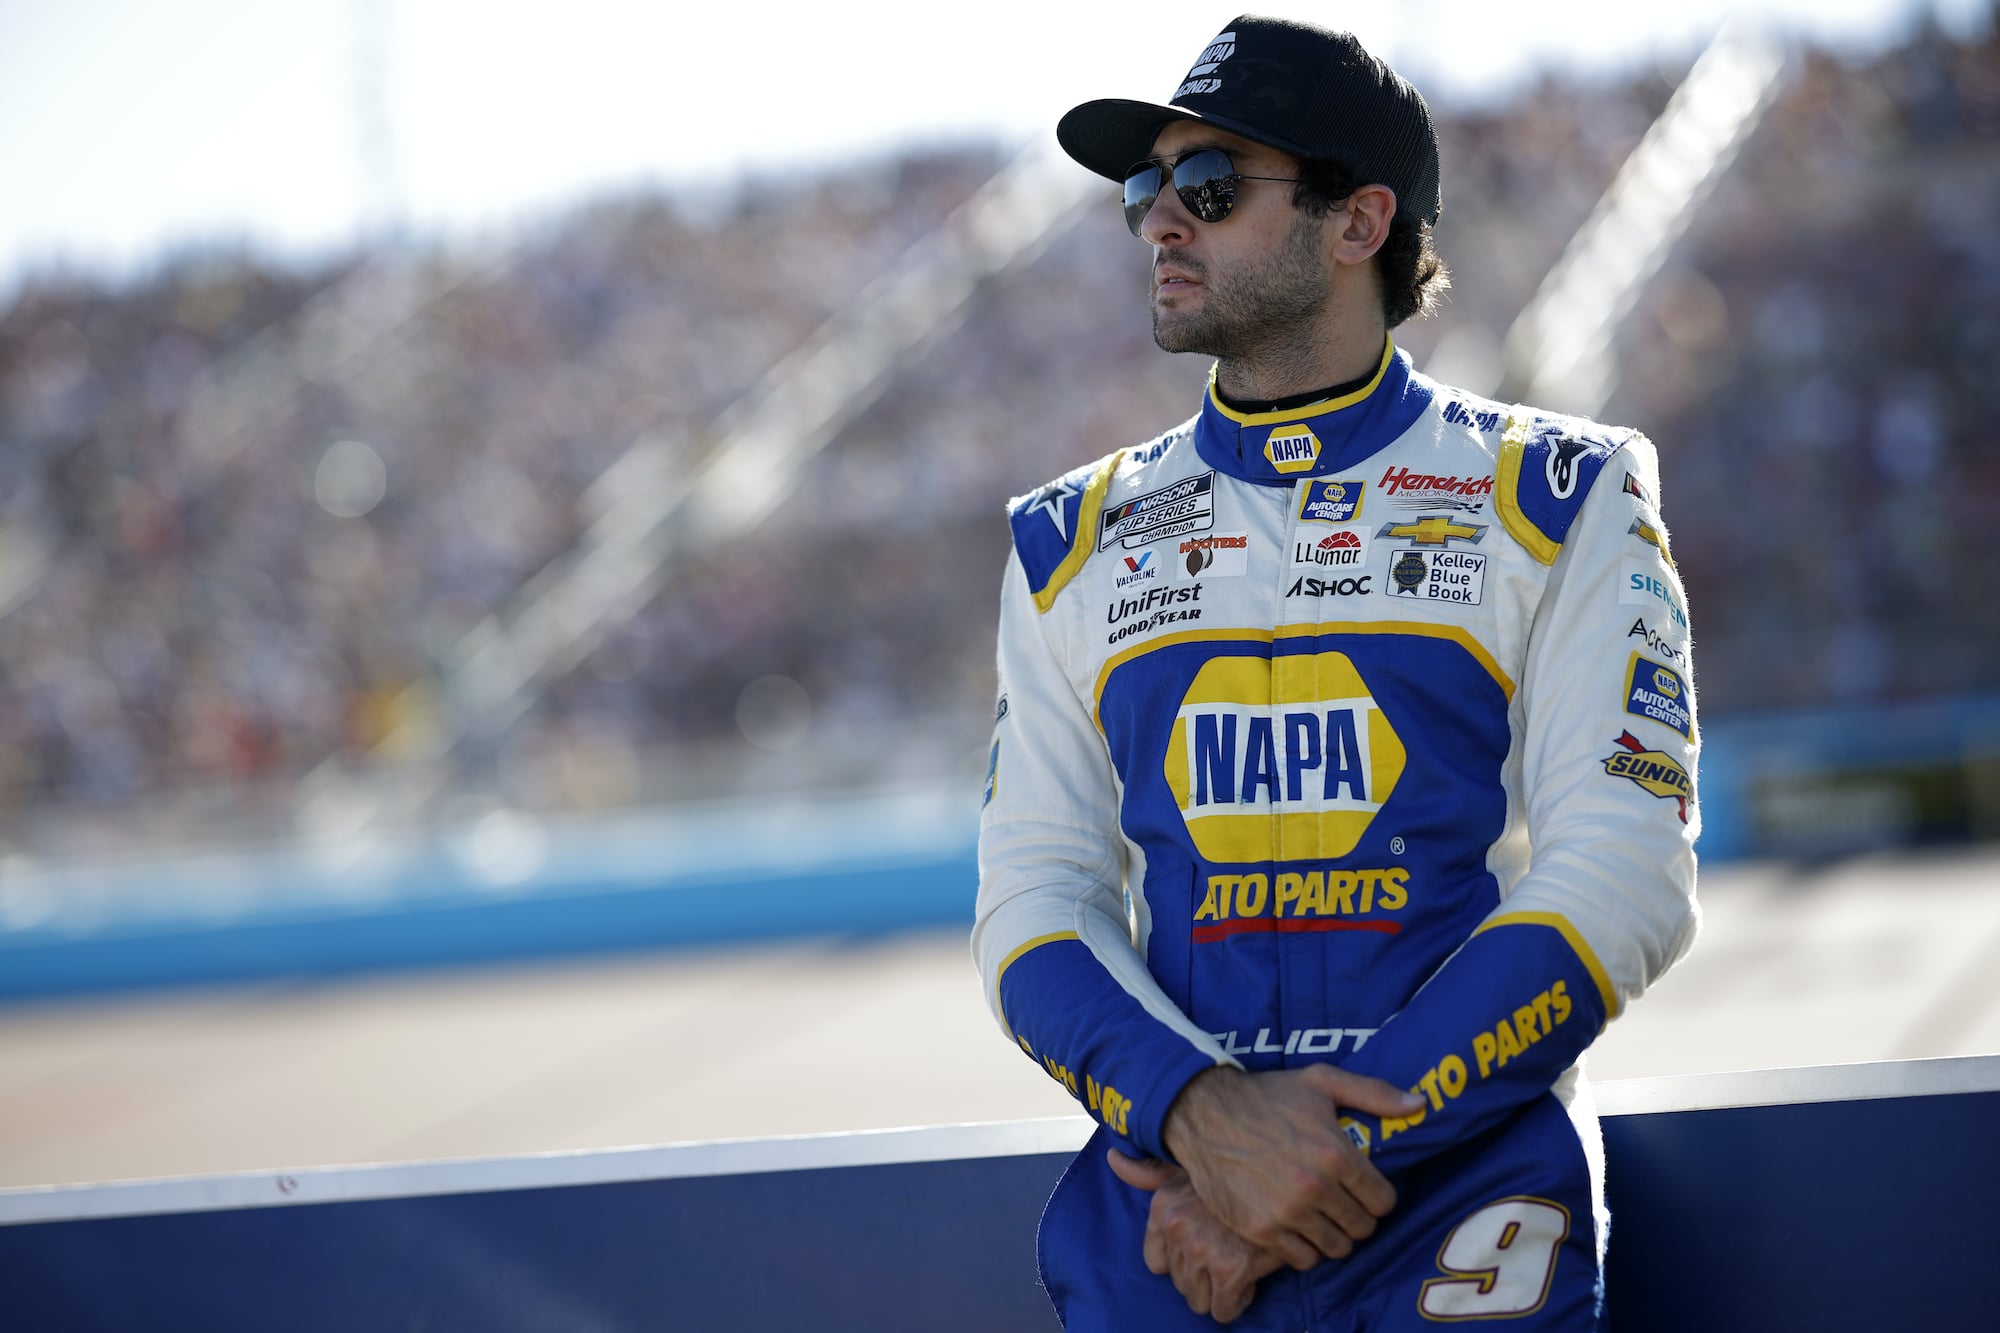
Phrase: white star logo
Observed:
(1050, 501)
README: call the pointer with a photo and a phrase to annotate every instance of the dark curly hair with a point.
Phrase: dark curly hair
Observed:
(1414, 278)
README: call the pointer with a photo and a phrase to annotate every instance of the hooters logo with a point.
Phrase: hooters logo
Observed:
(1283, 758)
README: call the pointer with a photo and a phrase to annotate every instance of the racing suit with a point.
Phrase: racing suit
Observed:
(1359, 733)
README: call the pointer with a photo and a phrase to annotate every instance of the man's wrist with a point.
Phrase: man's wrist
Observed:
(1182, 1129)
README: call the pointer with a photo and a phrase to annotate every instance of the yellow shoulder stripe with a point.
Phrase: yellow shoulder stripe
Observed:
(1008, 962)
(1578, 945)
(1507, 493)
(1084, 539)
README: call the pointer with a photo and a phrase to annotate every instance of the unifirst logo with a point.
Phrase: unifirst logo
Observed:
(1280, 758)
(1292, 448)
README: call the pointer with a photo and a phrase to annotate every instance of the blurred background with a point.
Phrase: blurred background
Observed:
(501, 521)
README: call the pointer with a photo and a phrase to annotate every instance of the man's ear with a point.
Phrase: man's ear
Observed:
(1360, 228)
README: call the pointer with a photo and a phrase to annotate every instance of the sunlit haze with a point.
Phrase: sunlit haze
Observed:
(127, 126)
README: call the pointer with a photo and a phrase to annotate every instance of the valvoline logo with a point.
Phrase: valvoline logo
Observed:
(1138, 569)
(1280, 758)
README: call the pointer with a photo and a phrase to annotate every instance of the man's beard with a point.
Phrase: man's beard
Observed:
(1267, 311)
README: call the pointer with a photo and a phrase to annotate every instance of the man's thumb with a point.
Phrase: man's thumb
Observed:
(1142, 1174)
(1359, 1092)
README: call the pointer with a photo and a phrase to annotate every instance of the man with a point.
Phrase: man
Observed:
(1341, 786)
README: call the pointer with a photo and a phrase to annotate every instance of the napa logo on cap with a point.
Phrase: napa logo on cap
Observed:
(1280, 758)
(1292, 448)
(1200, 79)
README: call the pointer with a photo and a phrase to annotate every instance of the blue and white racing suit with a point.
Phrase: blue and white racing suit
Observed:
(1361, 733)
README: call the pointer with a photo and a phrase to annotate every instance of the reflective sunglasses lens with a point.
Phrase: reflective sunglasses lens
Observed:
(1206, 184)
(1142, 189)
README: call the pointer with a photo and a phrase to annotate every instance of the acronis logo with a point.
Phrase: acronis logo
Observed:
(1283, 752)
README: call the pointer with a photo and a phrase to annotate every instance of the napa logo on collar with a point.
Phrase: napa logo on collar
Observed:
(1272, 755)
(1292, 448)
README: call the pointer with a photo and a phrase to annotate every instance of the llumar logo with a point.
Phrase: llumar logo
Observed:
(1280, 758)
(1292, 448)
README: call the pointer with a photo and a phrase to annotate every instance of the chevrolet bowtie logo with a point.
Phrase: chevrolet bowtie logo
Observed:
(1435, 530)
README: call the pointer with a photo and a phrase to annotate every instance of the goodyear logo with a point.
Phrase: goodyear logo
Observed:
(1280, 758)
(1656, 691)
(1292, 449)
(1654, 771)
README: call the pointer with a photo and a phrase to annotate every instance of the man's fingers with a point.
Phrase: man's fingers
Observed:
(1327, 1239)
(1372, 1191)
(1232, 1299)
(1361, 1092)
(1139, 1173)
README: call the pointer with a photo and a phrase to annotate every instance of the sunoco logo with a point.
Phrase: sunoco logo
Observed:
(1280, 758)
(1292, 449)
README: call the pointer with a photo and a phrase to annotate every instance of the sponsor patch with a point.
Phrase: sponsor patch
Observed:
(1422, 490)
(1220, 555)
(1653, 771)
(1332, 501)
(1186, 506)
(1633, 488)
(1346, 549)
(1308, 585)
(1285, 752)
(1458, 414)
(1641, 585)
(1656, 691)
(1292, 448)
(1000, 711)
(992, 773)
(1655, 642)
(1139, 568)
(1434, 530)
(1154, 608)
(1439, 576)
(1654, 538)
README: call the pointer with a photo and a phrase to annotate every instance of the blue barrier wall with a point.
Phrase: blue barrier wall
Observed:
(1848, 1198)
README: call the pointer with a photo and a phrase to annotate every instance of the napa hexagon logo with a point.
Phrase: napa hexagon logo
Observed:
(1292, 448)
(1285, 758)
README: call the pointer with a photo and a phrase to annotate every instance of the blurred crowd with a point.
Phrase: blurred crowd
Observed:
(248, 512)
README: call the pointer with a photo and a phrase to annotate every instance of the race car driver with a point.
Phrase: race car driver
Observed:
(1342, 784)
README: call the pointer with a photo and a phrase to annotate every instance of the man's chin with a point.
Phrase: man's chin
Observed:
(1177, 335)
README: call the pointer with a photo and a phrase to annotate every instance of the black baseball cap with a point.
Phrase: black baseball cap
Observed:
(1291, 86)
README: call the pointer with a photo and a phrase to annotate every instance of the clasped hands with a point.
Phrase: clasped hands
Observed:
(1268, 1178)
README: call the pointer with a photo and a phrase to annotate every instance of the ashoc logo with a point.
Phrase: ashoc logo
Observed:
(1280, 758)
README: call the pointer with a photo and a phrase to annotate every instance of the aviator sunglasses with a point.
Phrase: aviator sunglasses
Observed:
(1205, 180)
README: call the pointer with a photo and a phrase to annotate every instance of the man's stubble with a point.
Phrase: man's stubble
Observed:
(1266, 313)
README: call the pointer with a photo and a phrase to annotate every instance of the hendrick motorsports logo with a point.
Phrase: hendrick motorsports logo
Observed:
(1285, 752)
(1186, 506)
(1654, 771)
